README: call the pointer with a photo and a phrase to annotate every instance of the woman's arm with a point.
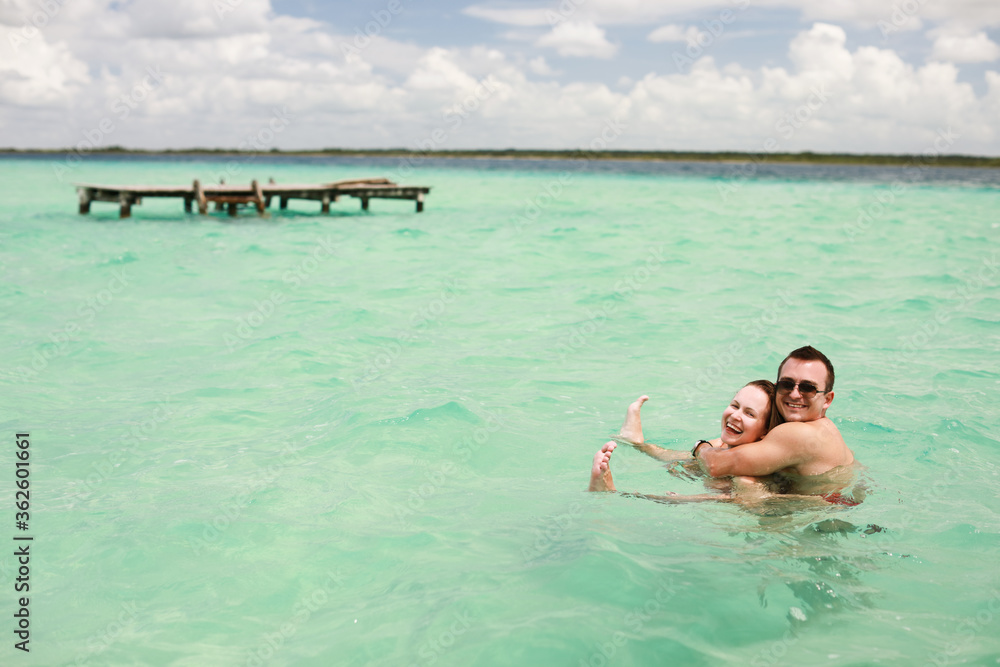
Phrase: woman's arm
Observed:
(675, 499)
(631, 434)
(657, 452)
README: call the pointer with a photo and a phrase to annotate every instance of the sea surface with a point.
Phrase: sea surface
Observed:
(365, 438)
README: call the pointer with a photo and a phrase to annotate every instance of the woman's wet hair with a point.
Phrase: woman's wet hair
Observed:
(773, 417)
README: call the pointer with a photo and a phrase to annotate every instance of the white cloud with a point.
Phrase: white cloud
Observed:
(438, 71)
(527, 17)
(194, 18)
(540, 67)
(39, 74)
(868, 100)
(219, 87)
(675, 33)
(573, 38)
(961, 47)
(903, 14)
(821, 50)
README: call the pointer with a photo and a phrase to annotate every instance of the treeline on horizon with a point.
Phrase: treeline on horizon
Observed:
(512, 153)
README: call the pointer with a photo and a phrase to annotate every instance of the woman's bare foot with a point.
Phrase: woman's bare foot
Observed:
(632, 428)
(600, 474)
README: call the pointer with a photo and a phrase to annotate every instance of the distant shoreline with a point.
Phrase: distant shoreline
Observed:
(531, 154)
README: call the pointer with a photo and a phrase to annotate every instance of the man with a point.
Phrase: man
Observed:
(807, 449)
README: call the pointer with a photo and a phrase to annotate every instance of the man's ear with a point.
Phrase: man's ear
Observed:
(828, 400)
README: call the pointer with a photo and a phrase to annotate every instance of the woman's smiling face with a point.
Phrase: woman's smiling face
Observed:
(746, 418)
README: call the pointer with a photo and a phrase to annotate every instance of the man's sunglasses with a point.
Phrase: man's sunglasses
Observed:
(806, 388)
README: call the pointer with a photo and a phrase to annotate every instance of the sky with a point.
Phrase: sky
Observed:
(857, 76)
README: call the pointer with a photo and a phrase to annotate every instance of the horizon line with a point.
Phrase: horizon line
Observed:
(943, 159)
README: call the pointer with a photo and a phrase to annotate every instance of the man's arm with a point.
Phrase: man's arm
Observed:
(784, 447)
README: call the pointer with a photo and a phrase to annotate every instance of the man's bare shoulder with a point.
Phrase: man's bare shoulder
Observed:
(796, 431)
(818, 441)
(823, 425)
(819, 437)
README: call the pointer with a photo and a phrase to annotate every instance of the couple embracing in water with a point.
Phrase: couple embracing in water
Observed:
(776, 440)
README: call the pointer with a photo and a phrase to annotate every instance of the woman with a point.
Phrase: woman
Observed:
(747, 419)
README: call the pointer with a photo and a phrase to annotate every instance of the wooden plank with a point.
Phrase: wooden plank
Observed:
(356, 181)
(140, 190)
(233, 199)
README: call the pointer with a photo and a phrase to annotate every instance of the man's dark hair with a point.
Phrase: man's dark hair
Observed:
(810, 353)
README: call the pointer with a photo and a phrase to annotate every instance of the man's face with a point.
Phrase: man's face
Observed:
(793, 405)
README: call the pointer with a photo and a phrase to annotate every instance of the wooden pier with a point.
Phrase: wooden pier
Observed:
(259, 196)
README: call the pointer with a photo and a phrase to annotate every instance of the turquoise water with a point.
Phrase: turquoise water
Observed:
(364, 438)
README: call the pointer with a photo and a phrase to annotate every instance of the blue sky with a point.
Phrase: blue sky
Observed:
(852, 75)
